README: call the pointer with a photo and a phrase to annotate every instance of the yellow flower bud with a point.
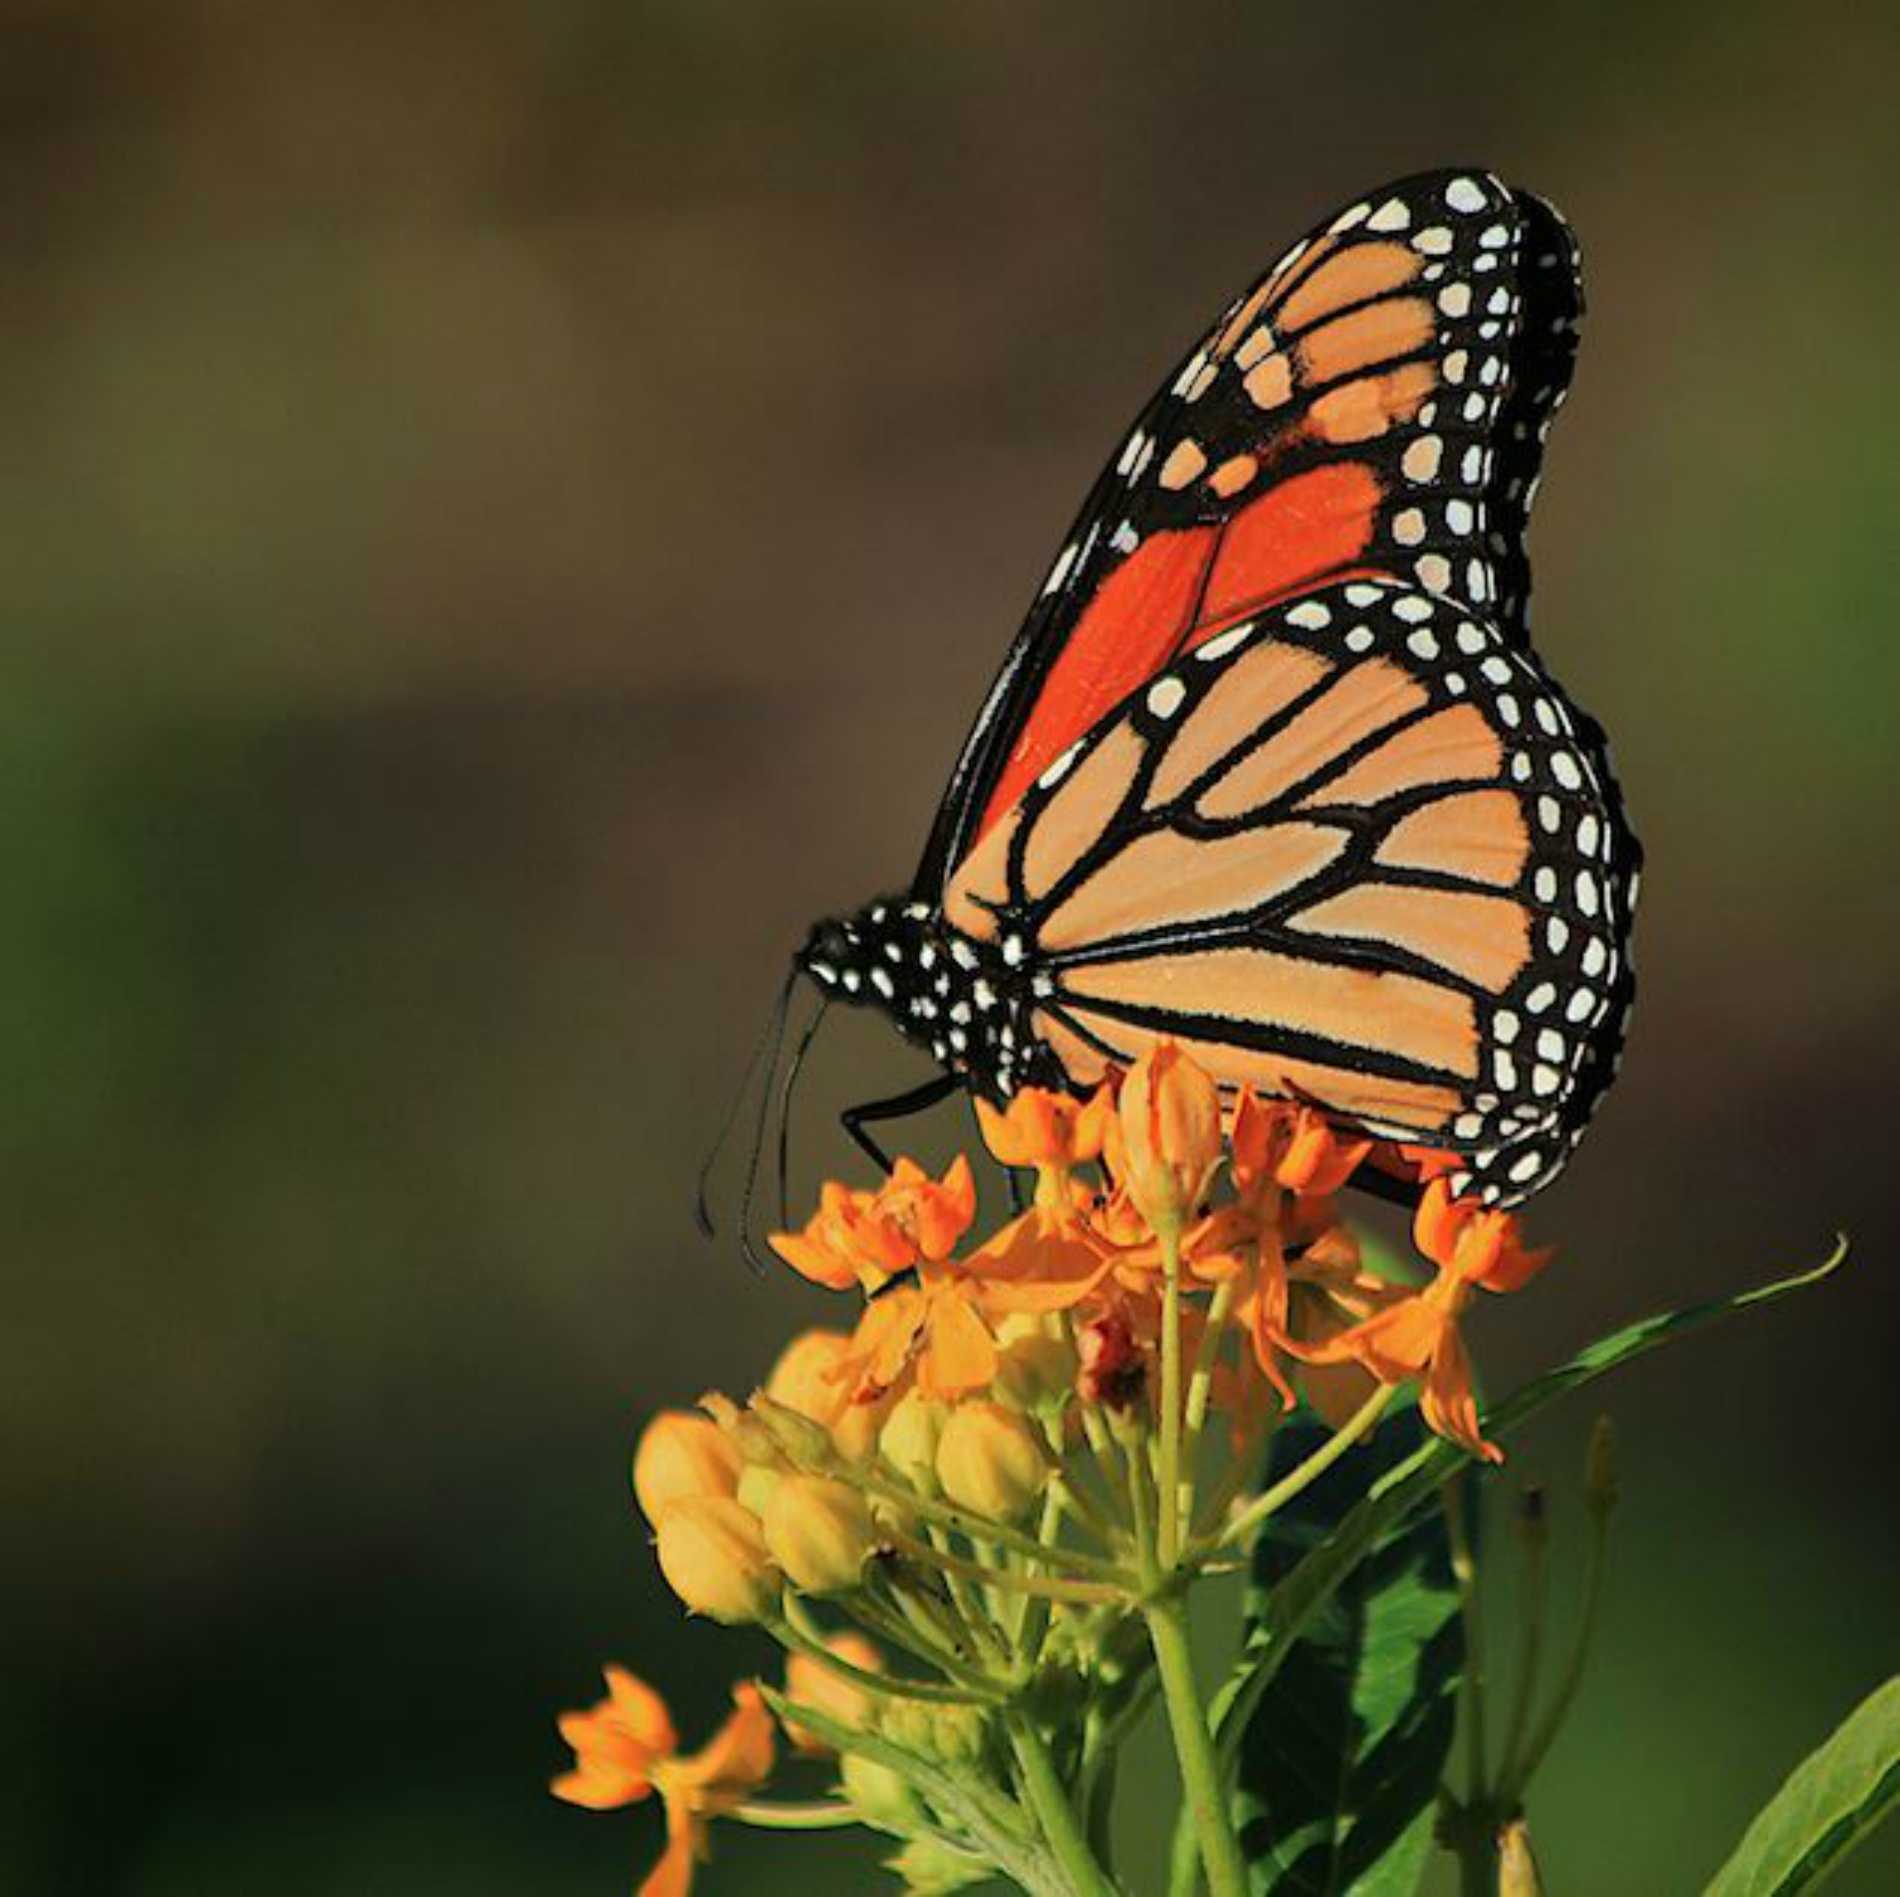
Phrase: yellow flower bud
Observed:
(855, 1433)
(882, 1798)
(680, 1455)
(990, 1461)
(819, 1532)
(928, 1867)
(908, 1441)
(756, 1485)
(1035, 1369)
(802, 1379)
(714, 1557)
(809, 1682)
(795, 1436)
(1170, 1135)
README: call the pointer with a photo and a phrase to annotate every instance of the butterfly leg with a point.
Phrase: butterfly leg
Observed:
(899, 1107)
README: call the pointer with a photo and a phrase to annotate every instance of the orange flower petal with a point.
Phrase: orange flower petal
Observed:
(960, 1355)
(641, 1711)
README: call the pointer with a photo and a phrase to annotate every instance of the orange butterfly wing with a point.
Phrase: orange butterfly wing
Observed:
(1355, 849)
(1375, 402)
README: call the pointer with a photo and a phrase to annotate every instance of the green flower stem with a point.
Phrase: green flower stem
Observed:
(1055, 1587)
(1106, 1459)
(1529, 1657)
(797, 1641)
(1033, 1622)
(1553, 1719)
(1168, 1474)
(933, 1631)
(824, 1814)
(1194, 1748)
(1050, 1802)
(968, 1600)
(1464, 1571)
(1357, 1426)
(1200, 1389)
(975, 1528)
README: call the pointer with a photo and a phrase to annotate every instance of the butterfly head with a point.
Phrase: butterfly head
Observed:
(867, 957)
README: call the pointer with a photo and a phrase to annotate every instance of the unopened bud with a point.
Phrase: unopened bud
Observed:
(882, 1798)
(1517, 1868)
(1599, 1468)
(743, 1430)
(908, 1440)
(954, 1735)
(990, 1462)
(855, 1432)
(714, 1557)
(795, 1436)
(809, 1682)
(930, 1867)
(1035, 1369)
(756, 1485)
(679, 1455)
(820, 1532)
(1170, 1135)
(803, 1378)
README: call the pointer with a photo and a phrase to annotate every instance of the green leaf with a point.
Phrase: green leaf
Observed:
(1339, 1765)
(1831, 1801)
(1408, 1486)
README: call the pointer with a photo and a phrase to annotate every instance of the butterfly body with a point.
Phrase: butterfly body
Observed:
(967, 1001)
(1271, 770)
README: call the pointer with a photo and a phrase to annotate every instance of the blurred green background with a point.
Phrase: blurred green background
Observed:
(507, 510)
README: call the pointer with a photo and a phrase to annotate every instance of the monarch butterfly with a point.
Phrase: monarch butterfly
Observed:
(1271, 769)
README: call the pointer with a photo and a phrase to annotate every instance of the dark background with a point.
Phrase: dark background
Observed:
(505, 513)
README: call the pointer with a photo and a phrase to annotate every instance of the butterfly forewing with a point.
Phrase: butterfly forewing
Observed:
(1376, 402)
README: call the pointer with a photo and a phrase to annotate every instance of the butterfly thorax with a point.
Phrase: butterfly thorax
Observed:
(968, 1003)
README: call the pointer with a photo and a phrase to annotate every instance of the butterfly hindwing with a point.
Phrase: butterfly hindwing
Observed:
(1356, 848)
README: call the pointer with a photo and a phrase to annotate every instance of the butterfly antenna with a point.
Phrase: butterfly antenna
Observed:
(772, 1035)
(786, 1091)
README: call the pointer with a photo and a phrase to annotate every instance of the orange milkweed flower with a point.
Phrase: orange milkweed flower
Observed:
(1165, 1142)
(931, 1331)
(865, 1239)
(1293, 1147)
(1418, 1334)
(625, 1747)
(1052, 1132)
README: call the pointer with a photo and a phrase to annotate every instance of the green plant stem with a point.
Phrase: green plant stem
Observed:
(1054, 1587)
(1464, 1571)
(798, 1641)
(1200, 1389)
(820, 1815)
(976, 1528)
(1357, 1426)
(1194, 1748)
(1553, 1719)
(1529, 1658)
(1168, 1474)
(1050, 1802)
(1033, 1622)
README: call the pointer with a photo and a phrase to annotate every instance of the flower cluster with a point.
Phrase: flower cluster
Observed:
(970, 1515)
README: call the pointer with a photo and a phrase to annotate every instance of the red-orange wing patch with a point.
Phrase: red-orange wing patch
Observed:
(1374, 403)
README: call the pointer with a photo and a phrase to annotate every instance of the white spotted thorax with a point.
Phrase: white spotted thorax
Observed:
(967, 1003)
